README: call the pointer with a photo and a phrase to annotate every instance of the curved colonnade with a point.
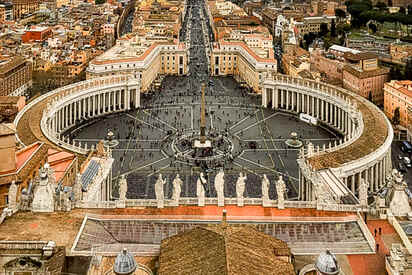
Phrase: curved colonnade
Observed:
(82, 101)
(363, 153)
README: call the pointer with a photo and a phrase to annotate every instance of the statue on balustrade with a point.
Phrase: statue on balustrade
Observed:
(363, 192)
(265, 190)
(12, 196)
(177, 189)
(219, 186)
(200, 189)
(160, 196)
(280, 189)
(240, 188)
(122, 188)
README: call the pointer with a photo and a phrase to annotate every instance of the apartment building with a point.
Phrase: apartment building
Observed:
(364, 76)
(15, 76)
(398, 94)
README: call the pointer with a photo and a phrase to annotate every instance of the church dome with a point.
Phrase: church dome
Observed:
(327, 264)
(124, 263)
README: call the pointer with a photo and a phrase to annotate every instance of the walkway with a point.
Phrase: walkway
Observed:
(374, 264)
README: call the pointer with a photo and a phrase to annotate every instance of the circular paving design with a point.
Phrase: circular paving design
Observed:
(159, 138)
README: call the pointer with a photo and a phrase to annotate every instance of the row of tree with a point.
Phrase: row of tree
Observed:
(362, 11)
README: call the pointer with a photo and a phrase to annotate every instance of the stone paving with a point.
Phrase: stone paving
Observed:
(157, 137)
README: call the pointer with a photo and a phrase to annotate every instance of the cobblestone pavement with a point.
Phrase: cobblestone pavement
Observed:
(255, 139)
(159, 136)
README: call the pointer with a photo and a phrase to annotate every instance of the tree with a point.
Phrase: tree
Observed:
(309, 37)
(333, 28)
(323, 29)
(373, 27)
(396, 119)
(341, 14)
(408, 69)
(381, 6)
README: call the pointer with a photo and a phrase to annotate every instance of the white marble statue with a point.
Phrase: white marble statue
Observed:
(200, 190)
(219, 186)
(265, 190)
(160, 196)
(363, 192)
(122, 188)
(280, 189)
(12, 196)
(44, 193)
(177, 189)
(240, 188)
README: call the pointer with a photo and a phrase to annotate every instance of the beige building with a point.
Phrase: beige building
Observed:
(398, 94)
(237, 59)
(312, 24)
(15, 76)
(363, 76)
(144, 63)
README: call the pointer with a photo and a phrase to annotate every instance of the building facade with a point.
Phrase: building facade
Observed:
(398, 94)
(15, 77)
(363, 76)
(146, 65)
(21, 7)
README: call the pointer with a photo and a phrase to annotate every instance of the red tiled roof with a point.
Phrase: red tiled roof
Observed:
(25, 154)
(59, 161)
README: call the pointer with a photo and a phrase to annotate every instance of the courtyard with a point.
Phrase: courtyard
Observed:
(158, 139)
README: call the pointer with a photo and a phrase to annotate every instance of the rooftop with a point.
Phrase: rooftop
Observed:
(224, 249)
(367, 143)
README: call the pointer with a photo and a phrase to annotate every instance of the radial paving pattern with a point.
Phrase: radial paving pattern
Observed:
(159, 137)
(247, 138)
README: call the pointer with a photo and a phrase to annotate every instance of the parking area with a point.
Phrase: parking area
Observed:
(396, 154)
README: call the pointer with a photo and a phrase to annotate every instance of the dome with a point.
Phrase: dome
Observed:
(124, 263)
(327, 264)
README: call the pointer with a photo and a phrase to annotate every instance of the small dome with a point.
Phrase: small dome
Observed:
(327, 264)
(124, 263)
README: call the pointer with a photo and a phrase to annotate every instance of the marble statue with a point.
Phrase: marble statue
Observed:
(219, 186)
(265, 190)
(363, 192)
(13, 196)
(177, 189)
(122, 188)
(240, 188)
(200, 190)
(280, 189)
(44, 192)
(160, 196)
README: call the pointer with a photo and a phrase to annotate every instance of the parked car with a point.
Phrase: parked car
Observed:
(407, 162)
(401, 167)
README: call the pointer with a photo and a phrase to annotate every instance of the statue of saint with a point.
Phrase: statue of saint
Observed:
(281, 188)
(177, 188)
(159, 189)
(122, 188)
(200, 189)
(12, 195)
(219, 186)
(240, 185)
(265, 188)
